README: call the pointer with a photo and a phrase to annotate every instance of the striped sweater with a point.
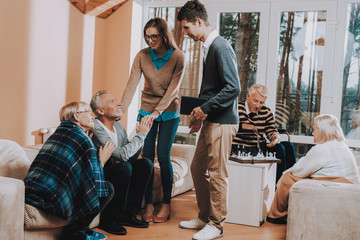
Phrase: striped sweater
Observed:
(263, 121)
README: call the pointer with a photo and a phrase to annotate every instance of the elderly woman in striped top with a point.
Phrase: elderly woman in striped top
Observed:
(330, 160)
(162, 65)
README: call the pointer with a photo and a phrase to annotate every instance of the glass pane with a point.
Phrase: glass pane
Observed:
(190, 82)
(350, 112)
(185, 138)
(301, 149)
(242, 31)
(299, 70)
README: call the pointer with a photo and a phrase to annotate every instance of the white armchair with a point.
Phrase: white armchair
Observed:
(323, 210)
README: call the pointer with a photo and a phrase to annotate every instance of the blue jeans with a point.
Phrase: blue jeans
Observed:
(166, 131)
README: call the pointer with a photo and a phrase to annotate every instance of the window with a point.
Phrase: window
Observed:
(299, 51)
(351, 72)
(350, 102)
(242, 32)
(299, 70)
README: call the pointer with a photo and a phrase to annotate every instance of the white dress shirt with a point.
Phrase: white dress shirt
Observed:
(209, 40)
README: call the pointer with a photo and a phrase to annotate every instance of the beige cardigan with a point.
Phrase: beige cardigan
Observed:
(161, 88)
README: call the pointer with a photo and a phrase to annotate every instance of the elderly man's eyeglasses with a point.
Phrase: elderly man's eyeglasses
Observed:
(152, 37)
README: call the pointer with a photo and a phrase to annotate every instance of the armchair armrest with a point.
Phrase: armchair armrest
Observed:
(323, 210)
(184, 151)
(12, 198)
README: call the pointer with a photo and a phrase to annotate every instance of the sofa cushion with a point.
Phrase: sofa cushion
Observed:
(180, 168)
(35, 218)
(13, 160)
(31, 151)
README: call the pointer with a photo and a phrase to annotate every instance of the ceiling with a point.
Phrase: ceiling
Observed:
(99, 8)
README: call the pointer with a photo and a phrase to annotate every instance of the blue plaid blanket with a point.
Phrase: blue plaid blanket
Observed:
(66, 177)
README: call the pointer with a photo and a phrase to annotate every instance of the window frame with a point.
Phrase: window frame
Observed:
(339, 61)
(269, 36)
(327, 89)
(245, 7)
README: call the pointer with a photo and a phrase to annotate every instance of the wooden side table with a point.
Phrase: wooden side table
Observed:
(251, 191)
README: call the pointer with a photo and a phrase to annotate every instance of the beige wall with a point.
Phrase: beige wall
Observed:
(47, 59)
(13, 68)
(112, 52)
(117, 40)
(40, 64)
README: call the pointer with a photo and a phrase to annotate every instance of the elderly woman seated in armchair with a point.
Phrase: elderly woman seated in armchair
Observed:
(330, 160)
(66, 178)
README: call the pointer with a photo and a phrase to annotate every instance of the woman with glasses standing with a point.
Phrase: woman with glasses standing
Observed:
(162, 65)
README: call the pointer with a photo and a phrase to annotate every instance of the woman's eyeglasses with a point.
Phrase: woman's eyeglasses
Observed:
(88, 112)
(152, 37)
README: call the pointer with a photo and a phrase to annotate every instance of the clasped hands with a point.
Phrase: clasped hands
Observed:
(197, 116)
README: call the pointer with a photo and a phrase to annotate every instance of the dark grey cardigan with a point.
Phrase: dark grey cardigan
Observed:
(220, 84)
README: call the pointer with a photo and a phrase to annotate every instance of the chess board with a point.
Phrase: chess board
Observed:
(254, 160)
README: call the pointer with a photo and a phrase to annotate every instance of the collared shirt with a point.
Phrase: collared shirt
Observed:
(248, 110)
(209, 40)
(165, 116)
(159, 62)
(160, 93)
(263, 121)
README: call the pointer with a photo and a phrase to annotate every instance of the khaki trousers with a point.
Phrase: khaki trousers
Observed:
(209, 171)
(279, 206)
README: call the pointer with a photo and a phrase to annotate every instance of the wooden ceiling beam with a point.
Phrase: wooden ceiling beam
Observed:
(99, 8)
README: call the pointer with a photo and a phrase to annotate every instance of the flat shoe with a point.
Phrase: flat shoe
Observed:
(161, 219)
(113, 228)
(134, 222)
(281, 220)
(147, 218)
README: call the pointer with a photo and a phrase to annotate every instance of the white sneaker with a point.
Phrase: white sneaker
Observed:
(207, 233)
(193, 224)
